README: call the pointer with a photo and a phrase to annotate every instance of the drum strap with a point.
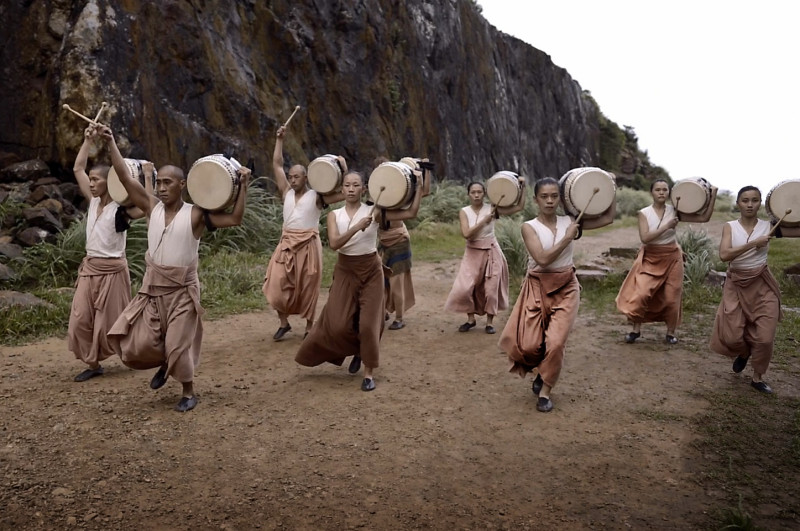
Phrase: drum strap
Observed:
(209, 224)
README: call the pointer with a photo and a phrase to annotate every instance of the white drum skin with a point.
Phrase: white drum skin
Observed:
(503, 189)
(577, 191)
(784, 196)
(116, 191)
(213, 183)
(391, 185)
(324, 174)
(694, 194)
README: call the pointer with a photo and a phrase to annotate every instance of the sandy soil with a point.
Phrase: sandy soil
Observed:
(449, 439)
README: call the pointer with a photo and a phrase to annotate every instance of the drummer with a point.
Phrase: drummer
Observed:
(395, 250)
(294, 274)
(162, 326)
(351, 323)
(653, 288)
(747, 317)
(481, 286)
(535, 335)
(103, 288)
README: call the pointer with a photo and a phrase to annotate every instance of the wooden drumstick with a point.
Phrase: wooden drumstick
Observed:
(286, 123)
(775, 227)
(103, 107)
(70, 109)
(580, 216)
(677, 200)
(375, 205)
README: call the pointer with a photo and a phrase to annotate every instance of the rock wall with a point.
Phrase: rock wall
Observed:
(186, 78)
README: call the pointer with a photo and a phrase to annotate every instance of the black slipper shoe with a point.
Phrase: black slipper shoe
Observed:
(186, 403)
(89, 374)
(368, 384)
(739, 364)
(281, 332)
(466, 327)
(544, 404)
(355, 365)
(632, 336)
(762, 387)
(490, 329)
(537, 384)
(159, 378)
(670, 339)
(397, 325)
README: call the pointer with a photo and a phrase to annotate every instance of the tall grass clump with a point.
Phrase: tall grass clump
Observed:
(725, 201)
(698, 249)
(442, 205)
(630, 201)
(509, 236)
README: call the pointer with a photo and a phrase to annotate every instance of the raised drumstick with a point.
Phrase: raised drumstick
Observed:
(70, 109)
(580, 216)
(775, 227)
(103, 107)
(290, 117)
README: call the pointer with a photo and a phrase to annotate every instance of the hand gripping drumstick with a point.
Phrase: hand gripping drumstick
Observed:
(103, 107)
(290, 117)
(378, 198)
(580, 216)
(70, 109)
(775, 227)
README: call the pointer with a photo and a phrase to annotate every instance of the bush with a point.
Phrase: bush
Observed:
(442, 205)
(725, 201)
(630, 201)
(509, 236)
(698, 249)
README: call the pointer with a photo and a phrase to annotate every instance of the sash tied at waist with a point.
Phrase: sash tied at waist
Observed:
(486, 244)
(292, 240)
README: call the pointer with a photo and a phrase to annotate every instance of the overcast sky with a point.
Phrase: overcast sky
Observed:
(710, 87)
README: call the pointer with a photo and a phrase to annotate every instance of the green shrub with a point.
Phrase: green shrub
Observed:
(442, 205)
(509, 236)
(698, 249)
(630, 201)
(725, 201)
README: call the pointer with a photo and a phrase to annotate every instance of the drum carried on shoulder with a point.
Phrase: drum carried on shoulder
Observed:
(504, 188)
(325, 174)
(590, 191)
(118, 192)
(213, 182)
(783, 203)
(392, 185)
(692, 195)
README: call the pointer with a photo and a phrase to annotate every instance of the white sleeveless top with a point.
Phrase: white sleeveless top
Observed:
(362, 242)
(754, 257)
(472, 220)
(102, 239)
(302, 214)
(549, 240)
(174, 245)
(668, 236)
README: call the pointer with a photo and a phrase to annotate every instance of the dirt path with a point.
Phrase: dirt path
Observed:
(448, 440)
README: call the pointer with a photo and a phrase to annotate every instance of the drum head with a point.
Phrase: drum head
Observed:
(389, 184)
(211, 183)
(581, 185)
(324, 174)
(411, 162)
(785, 196)
(115, 188)
(503, 188)
(693, 196)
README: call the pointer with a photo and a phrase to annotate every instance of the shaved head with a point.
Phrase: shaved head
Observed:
(172, 171)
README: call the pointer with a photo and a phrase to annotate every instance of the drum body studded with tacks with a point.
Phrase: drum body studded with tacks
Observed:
(784, 196)
(577, 191)
(503, 189)
(392, 184)
(118, 192)
(213, 182)
(690, 196)
(325, 174)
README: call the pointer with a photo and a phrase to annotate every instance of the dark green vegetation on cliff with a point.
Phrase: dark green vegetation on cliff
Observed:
(189, 78)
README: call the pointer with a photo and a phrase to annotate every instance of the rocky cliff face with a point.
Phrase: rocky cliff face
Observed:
(187, 78)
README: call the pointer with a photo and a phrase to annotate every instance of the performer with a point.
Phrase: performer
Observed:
(481, 286)
(162, 326)
(352, 320)
(103, 288)
(535, 335)
(747, 317)
(294, 274)
(653, 288)
(395, 250)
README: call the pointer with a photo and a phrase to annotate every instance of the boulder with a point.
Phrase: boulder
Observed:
(793, 277)
(590, 274)
(47, 180)
(55, 206)
(10, 250)
(25, 300)
(41, 217)
(32, 236)
(39, 193)
(715, 278)
(6, 273)
(792, 270)
(27, 171)
(70, 192)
